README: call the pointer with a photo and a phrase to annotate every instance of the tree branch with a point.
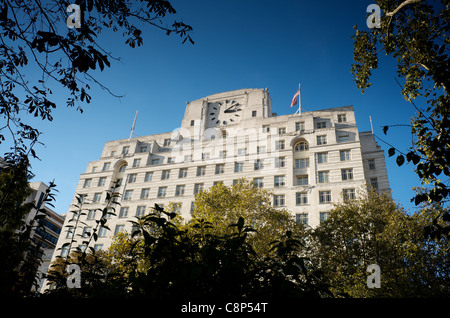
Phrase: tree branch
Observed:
(405, 3)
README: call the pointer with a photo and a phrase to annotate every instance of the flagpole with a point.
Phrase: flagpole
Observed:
(132, 128)
(299, 110)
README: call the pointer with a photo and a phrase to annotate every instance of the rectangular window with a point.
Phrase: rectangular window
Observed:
(280, 145)
(97, 197)
(87, 231)
(140, 210)
(322, 157)
(145, 193)
(253, 113)
(148, 176)
(198, 187)
(69, 233)
(101, 181)
(242, 151)
(91, 215)
(258, 165)
(119, 228)
(155, 162)
(177, 207)
(201, 171)
(348, 194)
(324, 216)
(302, 163)
(102, 231)
(132, 178)
(301, 198)
(166, 142)
(301, 218)
(300, 126)
(83, 198)
(128, 195)
(344, 155)
(280, 162)
(123, 212)
(143, 149)
(347, 174)
(258, 182)
(260, 149)
(106, 166)
(342, 118)
(324, 197)
(266, 128)
(87, 183)
(281, 130)
(279, 200)
(162, 191)
(182, 173)
(205, 156)
(238, 166)
(302, 180)
(136, 163)
(321, 124)
(170, 160)
(220, 168)
(344, 138)
(374, 183)
(179, 190)
(125, 150)
(371, 164)
(165, 174)
(65, 251)
(321, 140)
(324, 176)
(279, 181)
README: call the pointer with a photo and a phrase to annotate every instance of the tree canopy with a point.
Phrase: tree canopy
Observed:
(415, 34)
(375, 230)
(41, 52)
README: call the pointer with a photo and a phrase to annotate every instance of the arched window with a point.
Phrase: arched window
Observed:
(123, 167)
(301, 146)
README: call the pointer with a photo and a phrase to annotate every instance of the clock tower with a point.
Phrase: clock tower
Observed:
(228, 109)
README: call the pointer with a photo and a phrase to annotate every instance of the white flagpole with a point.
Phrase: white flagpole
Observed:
(299, 110)
(134, 123)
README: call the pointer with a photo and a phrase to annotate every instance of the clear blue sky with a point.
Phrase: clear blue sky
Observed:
(238, 44)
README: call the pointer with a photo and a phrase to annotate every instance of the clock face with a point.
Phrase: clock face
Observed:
(224, 112)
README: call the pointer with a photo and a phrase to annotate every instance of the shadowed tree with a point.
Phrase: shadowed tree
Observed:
(415, 34)
(41, 51)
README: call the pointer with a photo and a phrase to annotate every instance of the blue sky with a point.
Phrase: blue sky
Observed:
(238, 44)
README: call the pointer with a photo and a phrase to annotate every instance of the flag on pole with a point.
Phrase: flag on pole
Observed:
(295, 98)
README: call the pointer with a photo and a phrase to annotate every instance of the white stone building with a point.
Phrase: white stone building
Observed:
(308, 160)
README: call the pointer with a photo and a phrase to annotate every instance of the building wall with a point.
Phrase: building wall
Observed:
(201, 141)
(47, 235)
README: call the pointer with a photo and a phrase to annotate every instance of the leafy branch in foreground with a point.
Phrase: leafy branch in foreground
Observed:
(39, 53)
(415, 34)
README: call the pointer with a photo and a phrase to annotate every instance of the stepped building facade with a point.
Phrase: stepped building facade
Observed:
(308, 160)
